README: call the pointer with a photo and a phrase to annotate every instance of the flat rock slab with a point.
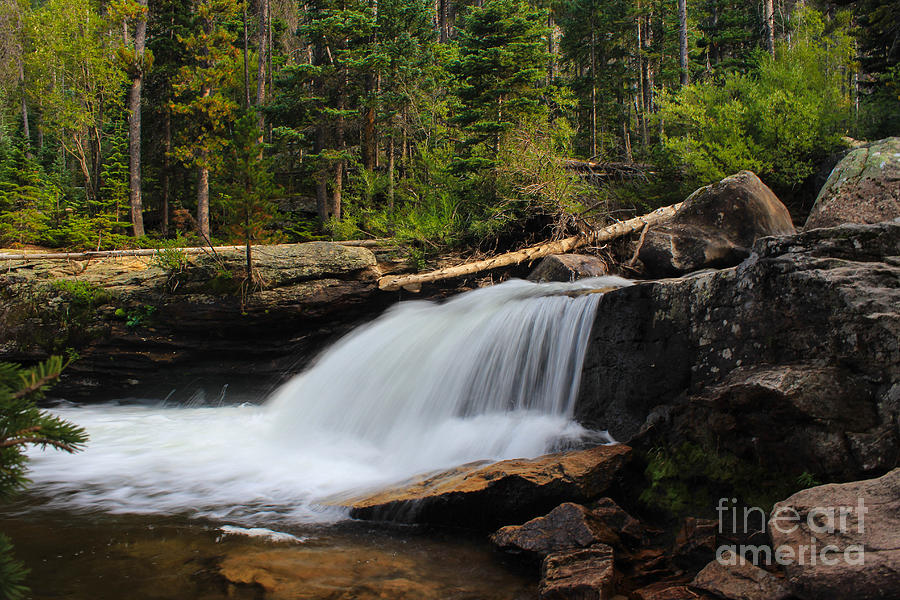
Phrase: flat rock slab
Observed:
(490, 495)
(839, 520)
(583, 574)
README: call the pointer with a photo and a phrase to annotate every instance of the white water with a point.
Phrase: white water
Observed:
(488, 375)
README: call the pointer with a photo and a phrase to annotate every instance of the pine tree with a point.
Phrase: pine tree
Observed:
(203, 98)
(501, 74)
(248, 188)
(24, 425)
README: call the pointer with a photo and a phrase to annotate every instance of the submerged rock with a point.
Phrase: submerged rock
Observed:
(853, 530)
(863, 188)
(487, 496)
(790, 360)
(716, 227)
(583, 574)
(568, 267)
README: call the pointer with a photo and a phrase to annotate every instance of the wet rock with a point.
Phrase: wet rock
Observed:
(737, 579)
(568, 267)
(863, 188)
(320, 572)
(716, 227)
(666, 590)
(790, 360)
(854, 530)
(567, 526)
(630, 530)
(583, 574)
(487, 496)
(695, 543)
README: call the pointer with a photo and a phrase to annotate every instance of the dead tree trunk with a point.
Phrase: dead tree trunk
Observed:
(413, 282)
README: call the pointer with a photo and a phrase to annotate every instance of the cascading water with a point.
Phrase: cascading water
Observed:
(488, 375)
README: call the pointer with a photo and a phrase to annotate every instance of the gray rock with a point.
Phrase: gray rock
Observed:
(843, 518)
(791, 359)
(863, 188)
(716, 227)
(568, 267)
(583, 574)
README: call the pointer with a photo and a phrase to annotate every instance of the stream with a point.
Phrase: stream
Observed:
(188, 501)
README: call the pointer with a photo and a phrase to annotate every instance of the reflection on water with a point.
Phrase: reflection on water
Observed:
(98, 556)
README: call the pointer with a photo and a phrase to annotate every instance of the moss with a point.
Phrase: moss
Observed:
(688, 479)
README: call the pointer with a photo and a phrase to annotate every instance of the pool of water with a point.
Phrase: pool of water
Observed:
(100, 556)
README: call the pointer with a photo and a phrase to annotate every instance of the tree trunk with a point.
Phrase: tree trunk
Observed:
(769, 13)
(203, 196)
(134, 125)
(391, 169)
(393, 283)
(261, 66)
(335, 208)
(246, 59)
(593, 93)
(683, 42)
(167, 183)
(321, 183)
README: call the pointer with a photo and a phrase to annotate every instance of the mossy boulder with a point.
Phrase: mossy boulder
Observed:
(863, 188)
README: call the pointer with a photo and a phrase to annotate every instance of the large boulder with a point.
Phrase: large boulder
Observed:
(853, 530)
(487, 496)
(568, 267)
(790, 360)
(716, 227)
(863, 188)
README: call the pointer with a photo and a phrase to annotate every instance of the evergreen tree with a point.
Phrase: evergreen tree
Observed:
(24, 425)
(203, 98)
(248, 188)
(501, 74)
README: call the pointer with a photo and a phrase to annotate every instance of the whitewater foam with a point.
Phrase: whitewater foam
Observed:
(489, 375)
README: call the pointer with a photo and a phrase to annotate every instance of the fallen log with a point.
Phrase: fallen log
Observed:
(391, 283)
(153, 251)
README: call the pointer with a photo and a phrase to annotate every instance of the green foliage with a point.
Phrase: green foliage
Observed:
(778, 121)
(24, 425)
(501, 76)
(81, 293)
(171, 256)
(12, 573)
(248, 189)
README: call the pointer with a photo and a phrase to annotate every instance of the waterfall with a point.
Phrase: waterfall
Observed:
(488, 375)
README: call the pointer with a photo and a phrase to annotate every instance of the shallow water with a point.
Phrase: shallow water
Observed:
(84, 555)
